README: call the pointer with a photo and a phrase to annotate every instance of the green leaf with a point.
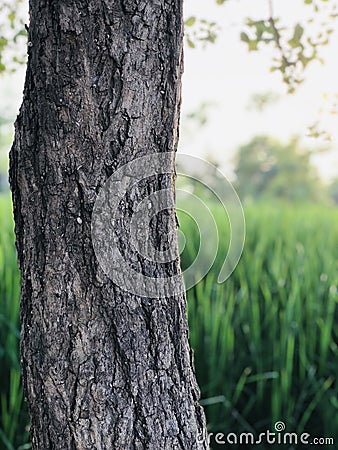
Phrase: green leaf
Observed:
(244, 37)
(11, 18)
(190, 22)
(260, 28)
(3, 42)
(297, 35)
(299, 30)
(190, 42)
(253, 46)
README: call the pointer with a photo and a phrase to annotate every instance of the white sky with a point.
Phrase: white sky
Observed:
(226, 75)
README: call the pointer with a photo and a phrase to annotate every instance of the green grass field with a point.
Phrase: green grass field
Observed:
(265, 341)
(13, 414)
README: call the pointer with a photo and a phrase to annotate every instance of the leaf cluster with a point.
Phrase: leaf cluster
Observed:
(12, 31)
(296, 46)
(200, 31)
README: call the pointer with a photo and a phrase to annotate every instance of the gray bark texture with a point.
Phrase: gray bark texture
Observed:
(102, 369)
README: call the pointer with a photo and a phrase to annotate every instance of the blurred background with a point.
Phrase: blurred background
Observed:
(260, 97)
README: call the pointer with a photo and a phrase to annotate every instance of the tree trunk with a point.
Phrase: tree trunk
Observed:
(102, 368)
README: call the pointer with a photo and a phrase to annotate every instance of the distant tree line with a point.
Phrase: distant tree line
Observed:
(268, 169)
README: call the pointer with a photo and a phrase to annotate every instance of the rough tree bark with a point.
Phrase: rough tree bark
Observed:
(102, 369)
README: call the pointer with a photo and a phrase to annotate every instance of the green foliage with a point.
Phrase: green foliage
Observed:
(296, 45)
(260, 101)
(12, 30)
(316, 131)
(294, 53)
(265, 341)
(200, 115)
(200, 31)
(13, 414)
(265, 168)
